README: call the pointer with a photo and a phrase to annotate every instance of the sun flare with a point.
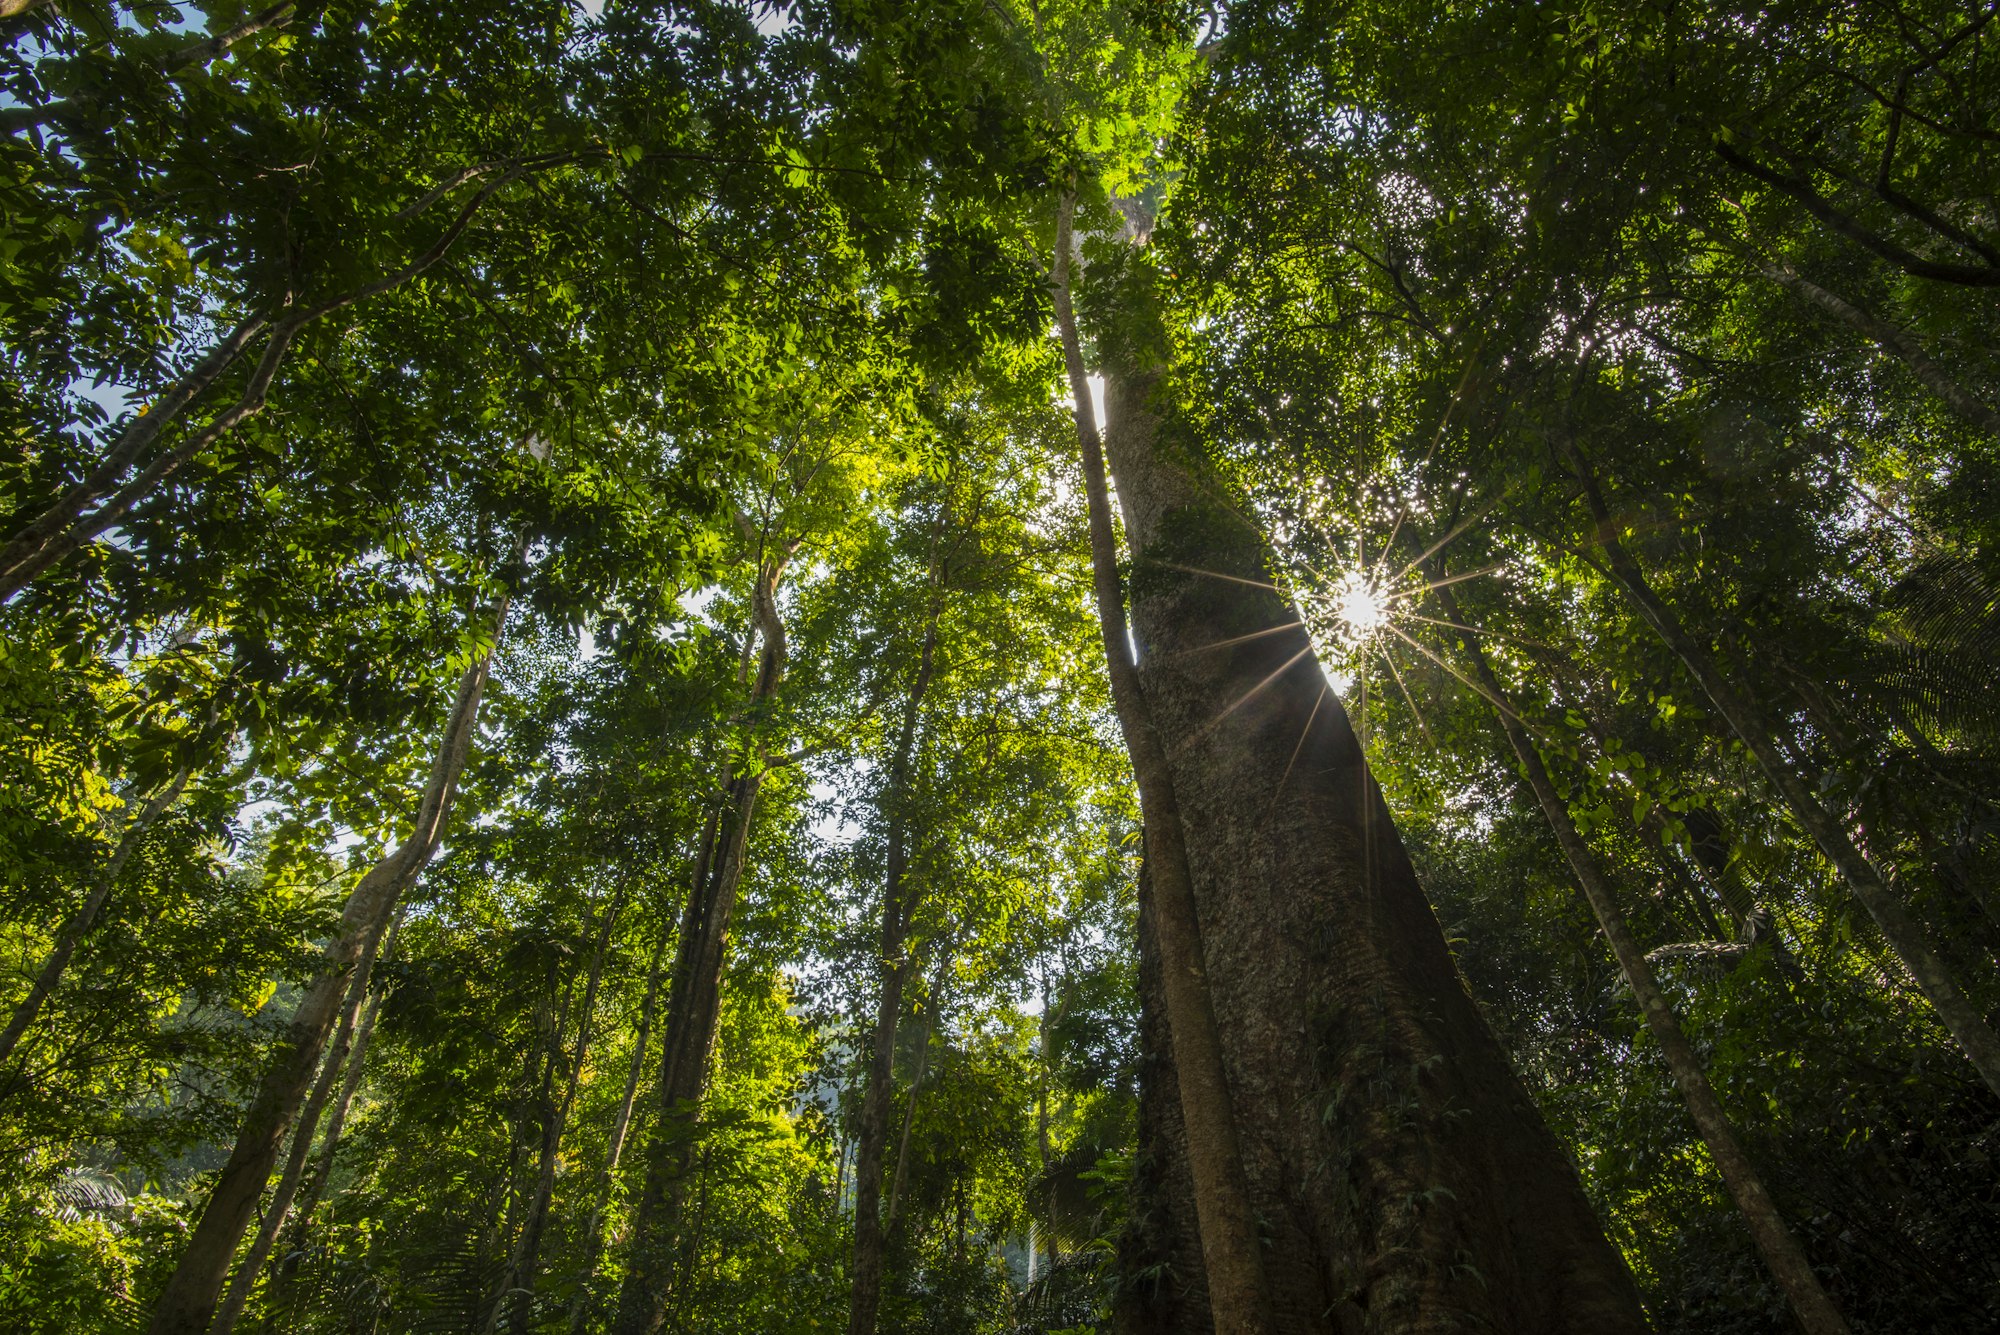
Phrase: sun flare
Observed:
(1361, 605)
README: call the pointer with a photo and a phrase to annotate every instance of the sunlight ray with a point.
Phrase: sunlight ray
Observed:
(1409, 699)
(1457, 530)
(1234, 639)
(1209, 726)
(1477, 689)
(1437, 439)
(1428, 585)
(1215, 574)
(1304, 733)
(1497, 634)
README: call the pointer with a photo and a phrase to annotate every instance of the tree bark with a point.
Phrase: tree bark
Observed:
(1780, 1250)
(1890, 339)
(520, 1278)
(331, 1072)
(1961, 1018)
(892, 975)
(336, 1124)
(621, 1124)
(79, 924)
(916, 1085)
(1231, 1253)
(1401, 1175)
(188, 1303)
(694, 1002)
(58, 532)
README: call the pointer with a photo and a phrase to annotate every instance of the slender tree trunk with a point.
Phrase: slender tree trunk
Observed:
(336, 1124)
(188, 1303)
(80, 922)
(892, 975)
(330, 1075)
(694, 1004)
(1890, 339)
(1230, 1249)
(621, 1124)
(916, 1086)
(1161, 1239)
(520, 1278)
(1042, 1129)
(1780, 1250)
(59, 531)
(1974, 1036)
(1397, 1170)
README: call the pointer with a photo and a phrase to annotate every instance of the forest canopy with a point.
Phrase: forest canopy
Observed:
(1000, 667)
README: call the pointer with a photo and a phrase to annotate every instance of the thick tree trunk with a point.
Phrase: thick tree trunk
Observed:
(79, 924)
(1402, 1177)
(892, 975)
(694, 1005)
(1231, 1253)
(1780, 1250)
(1961, 1018)
(188, 1303)
(330, 1075)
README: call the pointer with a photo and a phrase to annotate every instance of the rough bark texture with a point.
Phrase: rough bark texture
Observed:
(1402, 1178)
(694, 1005)
(1231, 1252)
(1162, 1285)
(1975, 1037)
(1780, 1250)
(189, 1301)
(892, 975)
(931, 1011)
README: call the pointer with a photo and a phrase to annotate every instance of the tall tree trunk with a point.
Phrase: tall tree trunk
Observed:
(621, 1124)
(916, 1086)
(892, 975)
(80, 922)
(336, 1124)
(520, 1277)
(1890, 339)
(1780, 1250)
(331, 1074)
(1231, 1253)
(1161, 1239)
(188, 1303)
(1961, 1018)
(694, 1002)
(106, 495)
(1402, 1177)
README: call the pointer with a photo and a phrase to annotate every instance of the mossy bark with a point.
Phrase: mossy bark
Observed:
(1402, 1178)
